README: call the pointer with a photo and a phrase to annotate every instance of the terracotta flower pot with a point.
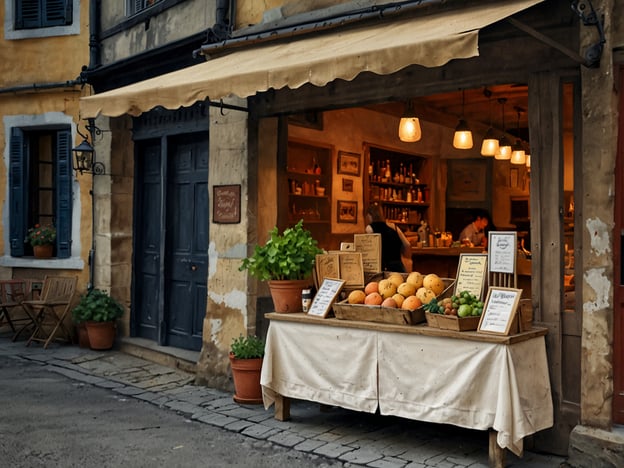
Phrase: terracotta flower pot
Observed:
(43, 251)
(83, 335)
(246, 375)
(101, 334)
(286, 294)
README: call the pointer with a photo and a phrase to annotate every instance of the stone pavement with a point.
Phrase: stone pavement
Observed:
(355, 439)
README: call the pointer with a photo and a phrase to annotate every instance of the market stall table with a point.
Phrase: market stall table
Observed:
(468, 379)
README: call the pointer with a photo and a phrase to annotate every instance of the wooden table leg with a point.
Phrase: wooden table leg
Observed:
(282, 408)
(496, 452)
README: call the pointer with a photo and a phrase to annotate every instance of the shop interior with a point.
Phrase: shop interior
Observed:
(341, 160)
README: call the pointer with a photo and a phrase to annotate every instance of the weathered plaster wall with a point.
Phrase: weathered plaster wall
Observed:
(185, 19)
(599, 124)
(227, 302)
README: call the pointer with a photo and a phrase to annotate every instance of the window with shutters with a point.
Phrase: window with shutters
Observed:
(40, 181)
(136, 6)
(31, 14)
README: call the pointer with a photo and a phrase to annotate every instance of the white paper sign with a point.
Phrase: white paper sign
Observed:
(499, 310)
(325, 296)
(502, 247)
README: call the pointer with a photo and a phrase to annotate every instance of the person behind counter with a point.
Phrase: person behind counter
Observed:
(474, 234)
(396, 251)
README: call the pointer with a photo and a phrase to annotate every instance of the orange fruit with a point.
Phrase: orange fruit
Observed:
(373, 298)
(371, 287)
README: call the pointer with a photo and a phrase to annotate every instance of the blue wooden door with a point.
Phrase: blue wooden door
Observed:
(171, 248)
(186, 251)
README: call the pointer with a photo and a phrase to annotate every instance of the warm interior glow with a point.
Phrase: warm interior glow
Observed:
(504, 149)
(528, 160)
(409, 129)
(518, 155)
(489, 147)
(463, 136)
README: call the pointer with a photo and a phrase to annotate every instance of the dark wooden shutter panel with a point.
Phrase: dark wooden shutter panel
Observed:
(57, 12)
(63, 196)
(28, 14)
(17, 192)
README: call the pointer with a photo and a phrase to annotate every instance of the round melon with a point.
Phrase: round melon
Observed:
(406, 289)
(415, 278)
(398, 298)
(428, 279)
(411, 303)
(371, 287)
(373, 298)
(387, 288)
(435, 284)
(396, 279)
(425, 295)
(356, 297)
(389, 302)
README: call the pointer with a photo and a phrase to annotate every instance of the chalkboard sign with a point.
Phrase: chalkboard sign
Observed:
(502, 247)
(226, 207)
(471, 274)
(499, 310)
(325, 297)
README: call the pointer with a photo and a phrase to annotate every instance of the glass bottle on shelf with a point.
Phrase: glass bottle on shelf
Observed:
(388, 172)
(401, 174)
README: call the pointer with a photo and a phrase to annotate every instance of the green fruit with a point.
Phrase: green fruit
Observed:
(464, 310)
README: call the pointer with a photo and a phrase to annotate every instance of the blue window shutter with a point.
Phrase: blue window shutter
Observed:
(63, 198)
(18, 192)
(43, 13)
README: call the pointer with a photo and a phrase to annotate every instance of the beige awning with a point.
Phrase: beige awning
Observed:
(430, 41)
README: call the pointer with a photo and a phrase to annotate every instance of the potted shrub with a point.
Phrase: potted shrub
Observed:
(286, 261)
(99, 313)
(42, 239)
(246, 356)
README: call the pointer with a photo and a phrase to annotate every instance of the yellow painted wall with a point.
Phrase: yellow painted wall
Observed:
(30, 63)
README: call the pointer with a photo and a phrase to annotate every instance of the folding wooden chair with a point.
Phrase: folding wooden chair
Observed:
(12, 293)
(49, 312)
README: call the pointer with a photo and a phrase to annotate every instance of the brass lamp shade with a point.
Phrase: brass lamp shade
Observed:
(518, 155)
(504, 149)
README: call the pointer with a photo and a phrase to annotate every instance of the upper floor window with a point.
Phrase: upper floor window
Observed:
(31, 14)
(135, 6)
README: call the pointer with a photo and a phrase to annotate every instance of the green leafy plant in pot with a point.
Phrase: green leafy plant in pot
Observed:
(98, 312)
(286, 261)
(246, 355)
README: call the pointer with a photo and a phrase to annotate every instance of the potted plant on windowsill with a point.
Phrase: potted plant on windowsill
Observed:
(286, 261)
(41, 238)
(246, 355)
(99, 313)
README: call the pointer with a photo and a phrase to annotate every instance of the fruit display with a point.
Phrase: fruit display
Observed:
(463, 305)
(407, 292)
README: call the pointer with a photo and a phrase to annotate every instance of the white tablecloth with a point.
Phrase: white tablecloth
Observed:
(471, 384)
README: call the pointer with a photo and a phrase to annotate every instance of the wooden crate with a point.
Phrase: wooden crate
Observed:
(370, 313)
(451, 322)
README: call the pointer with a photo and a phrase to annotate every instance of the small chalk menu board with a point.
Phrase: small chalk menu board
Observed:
(325, 297)
(499, 310)
(471, 274)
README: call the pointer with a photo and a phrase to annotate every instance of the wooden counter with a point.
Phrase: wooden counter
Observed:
(439, 260)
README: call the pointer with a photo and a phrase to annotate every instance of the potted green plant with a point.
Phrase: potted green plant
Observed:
(246, 355)
(41, 238)
(286, 261)
(99, 313)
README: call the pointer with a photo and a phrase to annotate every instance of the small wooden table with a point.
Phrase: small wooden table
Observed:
(468, 379)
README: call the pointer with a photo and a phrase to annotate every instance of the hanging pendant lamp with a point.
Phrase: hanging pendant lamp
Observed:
(518, 156)
(409, 126)
(504, 147)
(489, 146)
(463, 136)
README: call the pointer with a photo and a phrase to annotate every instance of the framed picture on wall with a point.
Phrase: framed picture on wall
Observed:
(347, 211)
(348, 163)
(467, 180)
(347, 185)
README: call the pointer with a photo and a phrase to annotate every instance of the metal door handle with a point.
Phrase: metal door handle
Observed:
(193, 267)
